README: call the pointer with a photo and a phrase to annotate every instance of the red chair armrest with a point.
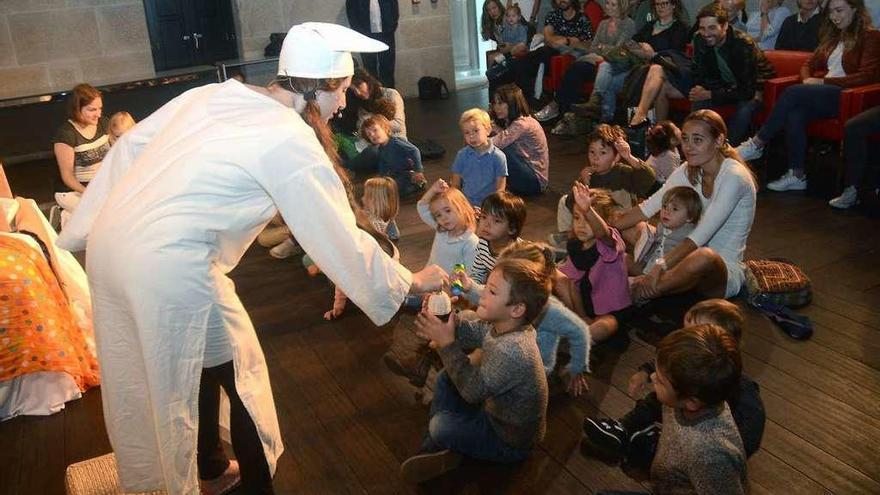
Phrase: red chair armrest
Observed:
(773, 89)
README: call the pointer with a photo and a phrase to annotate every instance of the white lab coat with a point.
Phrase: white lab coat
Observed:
(176, 204)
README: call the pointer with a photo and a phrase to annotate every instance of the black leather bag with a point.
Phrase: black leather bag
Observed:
(432, 88)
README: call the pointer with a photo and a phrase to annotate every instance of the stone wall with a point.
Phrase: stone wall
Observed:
(50, 45)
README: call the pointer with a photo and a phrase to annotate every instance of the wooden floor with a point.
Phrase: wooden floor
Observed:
(348, 423)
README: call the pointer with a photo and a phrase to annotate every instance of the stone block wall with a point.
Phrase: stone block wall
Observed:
(51, 45)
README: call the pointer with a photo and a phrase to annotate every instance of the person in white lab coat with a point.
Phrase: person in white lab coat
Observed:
(177, 203)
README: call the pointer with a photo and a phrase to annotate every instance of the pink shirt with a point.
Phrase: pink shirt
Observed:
(528, 138)
(608, 277)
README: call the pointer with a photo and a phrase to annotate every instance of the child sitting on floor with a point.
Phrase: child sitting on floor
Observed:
(120, 123)
(596, 286)
(495, 408)
(662, 141)
(501, 220)
(479, 168)
(634, 437)
(397, 157)
(554, 323)
(700, 450)
(381, 204)
(679, 216)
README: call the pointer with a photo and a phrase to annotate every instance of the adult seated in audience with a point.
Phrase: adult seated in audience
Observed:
(641, 12)
(566, 30)
(800, 31)
(80, 144)
(367, 97)
(848, 56)
(725, 70)
(613, 31)
(667, 34)
(709, 260)
(858, 131)
(764, 25)
(522, 140)
(492, 20)
(737, 16)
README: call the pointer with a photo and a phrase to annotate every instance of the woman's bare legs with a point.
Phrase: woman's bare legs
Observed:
(702, 270)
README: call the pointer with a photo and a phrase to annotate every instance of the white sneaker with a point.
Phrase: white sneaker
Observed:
(847, 199)
(551, 111)
(749, 150)
(788, 182)
(286, 249)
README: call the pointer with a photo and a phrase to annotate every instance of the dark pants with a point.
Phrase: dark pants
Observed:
(526, 68)
(246, 444)
(798, 106)
(573, 84)
(364, 163)
(381, 64)
(739, 125)
(462, 427)
(855, 146)
(522, 179)
(646, 412)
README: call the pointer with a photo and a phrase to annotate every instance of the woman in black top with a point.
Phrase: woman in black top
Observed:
(667, 36)
(82, 141)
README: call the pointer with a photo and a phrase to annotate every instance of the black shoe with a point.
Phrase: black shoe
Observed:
(642, 447)
(606, 437)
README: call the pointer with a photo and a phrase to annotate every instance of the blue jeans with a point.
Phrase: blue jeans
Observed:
(573, 83)
(462, 427)
(858, 130)
(607, 85)
(740, 123)
(522, 179)
(797, 106)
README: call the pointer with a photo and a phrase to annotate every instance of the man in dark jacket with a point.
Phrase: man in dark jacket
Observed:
(378, 20)
(725, 71)
(800, 31)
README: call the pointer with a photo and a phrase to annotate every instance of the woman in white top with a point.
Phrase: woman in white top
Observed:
(710, 259)
(174, 208)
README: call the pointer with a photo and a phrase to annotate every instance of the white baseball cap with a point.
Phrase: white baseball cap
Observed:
(321, 50)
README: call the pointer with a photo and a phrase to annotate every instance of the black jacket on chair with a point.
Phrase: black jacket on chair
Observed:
(358, 12)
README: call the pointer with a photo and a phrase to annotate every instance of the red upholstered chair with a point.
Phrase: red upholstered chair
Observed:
(560, 63)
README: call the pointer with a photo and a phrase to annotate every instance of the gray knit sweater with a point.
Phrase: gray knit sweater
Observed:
(699, 456)
(509, 380)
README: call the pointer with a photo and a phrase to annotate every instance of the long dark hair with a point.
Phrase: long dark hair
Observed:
(376, 102)
(487, 24)
(517, 106)
(311, 114)
(830, 36)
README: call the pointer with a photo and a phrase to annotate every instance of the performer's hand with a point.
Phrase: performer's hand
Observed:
(430, 279)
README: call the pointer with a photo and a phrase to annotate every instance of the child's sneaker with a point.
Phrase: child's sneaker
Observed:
(642, 447)
(848, 199)
(286, 249)
(429, 465)
(606, 437)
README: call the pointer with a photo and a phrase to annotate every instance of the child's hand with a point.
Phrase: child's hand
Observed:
(637, 383)
(577, 385)
(466, 282)
(585, 175)
(582, 196)
(419, 178)
(623, 149)
(333, 313)
(439, 186)
(434, 329)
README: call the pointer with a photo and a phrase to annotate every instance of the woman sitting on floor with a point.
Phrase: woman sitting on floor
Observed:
(522, 140)
(709, 260)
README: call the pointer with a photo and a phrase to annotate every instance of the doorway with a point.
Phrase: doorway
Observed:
(468, 47)
(186, 33)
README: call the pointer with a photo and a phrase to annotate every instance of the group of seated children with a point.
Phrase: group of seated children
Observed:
(497, 358)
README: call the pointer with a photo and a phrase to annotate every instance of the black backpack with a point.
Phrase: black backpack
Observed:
(432, 88)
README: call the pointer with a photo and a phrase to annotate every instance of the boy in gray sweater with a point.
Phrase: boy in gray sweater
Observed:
(490, 405)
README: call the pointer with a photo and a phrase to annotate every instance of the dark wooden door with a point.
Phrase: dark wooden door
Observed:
(184, 33)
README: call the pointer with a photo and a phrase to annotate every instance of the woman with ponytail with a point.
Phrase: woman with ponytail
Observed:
(710, 259)
(178, 201)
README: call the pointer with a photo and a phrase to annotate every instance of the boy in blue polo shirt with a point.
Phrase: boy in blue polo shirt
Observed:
(480, 168)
